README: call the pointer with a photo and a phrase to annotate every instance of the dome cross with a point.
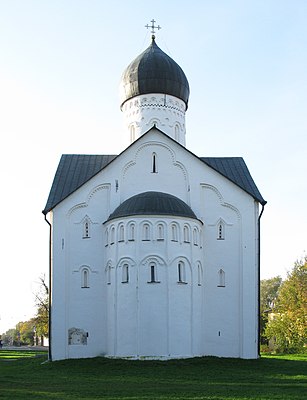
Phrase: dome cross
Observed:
(153, 27)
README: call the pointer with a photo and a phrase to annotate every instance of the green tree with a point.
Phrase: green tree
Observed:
(9, 338)
(268, 294)
(288, 323)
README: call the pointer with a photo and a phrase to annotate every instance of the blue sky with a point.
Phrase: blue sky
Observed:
(60, 68)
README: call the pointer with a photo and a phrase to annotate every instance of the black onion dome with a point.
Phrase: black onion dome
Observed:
(153, 71)
(153, 203)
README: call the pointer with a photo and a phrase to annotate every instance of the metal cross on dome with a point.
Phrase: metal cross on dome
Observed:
(153, 27)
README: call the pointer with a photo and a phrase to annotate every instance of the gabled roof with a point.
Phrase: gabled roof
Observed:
(73, 171)
(235, 169)
(76, 169)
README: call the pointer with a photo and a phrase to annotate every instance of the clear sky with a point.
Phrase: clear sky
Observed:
(60, 67)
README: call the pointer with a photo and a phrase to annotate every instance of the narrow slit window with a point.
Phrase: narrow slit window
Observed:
(121, 233)
(154, 163)
(85, 278)
(109, 275)
(186, 234)
(125, 273)
(160, 232)
(174, 233)
(153, 274)
(195, 237)
(199, 275)
(131, 231)
(181, 272)
(146, 232)
(221, 278)
(112, 235)
(106, 237)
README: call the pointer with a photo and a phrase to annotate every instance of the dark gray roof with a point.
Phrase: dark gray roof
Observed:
(74, 170)
(235, 169)
(153, 203)
(153, 71)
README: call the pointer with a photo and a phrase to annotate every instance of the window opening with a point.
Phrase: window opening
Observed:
(125, 273)
(221, 278)
(160, 232)
(112, 235)
(195, 237)
(85, 278)
(186, 234)
(109, 275)
(174, 233)
(152, 273)
(199, 275)
(146, 232)
(121, 233)
(107, 237)
(131, 232)
(181, 272)
(154, 163)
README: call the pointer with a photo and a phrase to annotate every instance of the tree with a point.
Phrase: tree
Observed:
(25, 332)
(268, 294)
(9, 338)
(42, 314)
(288, 322)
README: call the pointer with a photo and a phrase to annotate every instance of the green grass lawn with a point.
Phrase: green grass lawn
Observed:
(26, 375)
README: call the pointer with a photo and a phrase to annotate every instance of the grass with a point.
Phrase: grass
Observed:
(269, 378)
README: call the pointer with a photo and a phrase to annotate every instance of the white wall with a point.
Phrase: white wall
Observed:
(134, 318)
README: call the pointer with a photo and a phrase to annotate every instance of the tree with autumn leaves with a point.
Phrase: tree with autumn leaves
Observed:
(32, 331)
(286, 325)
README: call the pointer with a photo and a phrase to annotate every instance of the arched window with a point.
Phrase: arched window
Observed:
(112, 238)
(181, 272)
(199, 275)
(154, 168)
(131, 232)
(121, 233)
(132, 133)
(125, 273)
(160, 232)
(106, 237)
(153, 273)
(174, 235)
(146, 232)
(186, 234)
(108, 271)
(85, 278)
(221, 278)
(221, 231)
(195, 237)
(86, 229)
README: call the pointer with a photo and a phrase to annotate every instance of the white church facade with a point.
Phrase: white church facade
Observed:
(155, 251)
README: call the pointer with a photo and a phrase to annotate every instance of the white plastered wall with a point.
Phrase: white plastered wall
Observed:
(227, 315)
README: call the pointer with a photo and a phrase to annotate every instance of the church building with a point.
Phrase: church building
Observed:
(155, 252)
